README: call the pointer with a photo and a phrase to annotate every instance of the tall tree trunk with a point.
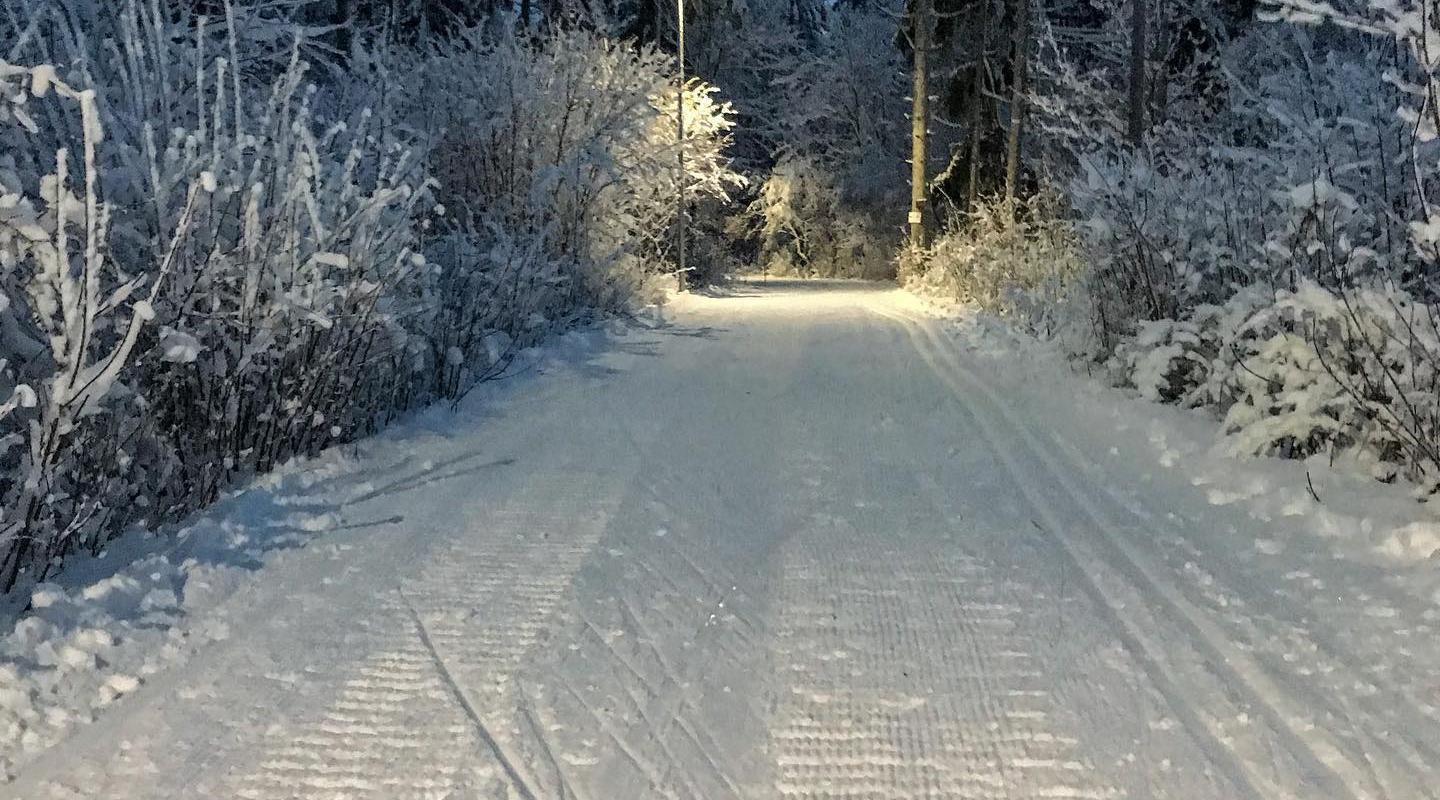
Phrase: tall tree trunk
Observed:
(1157, 76)
(977, 97)
(1019, 66)
(1135, 122)
(919, 119)
(525, 13)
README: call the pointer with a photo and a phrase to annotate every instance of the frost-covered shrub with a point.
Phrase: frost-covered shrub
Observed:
(1162, 241)
(570, 141)
(794, 215)
(1355, 370)
(805, 229)
(287, 322)
(1286, 404)
(219, 281)
(1166, 360)
(1266, 248)
(1296, 175)
(212, 259)
(72, 318)
(1191, 361)
(1027, 269)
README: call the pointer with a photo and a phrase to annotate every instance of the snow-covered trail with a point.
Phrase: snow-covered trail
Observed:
(796, 544)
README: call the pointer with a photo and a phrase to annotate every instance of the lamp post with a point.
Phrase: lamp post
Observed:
(680, 137)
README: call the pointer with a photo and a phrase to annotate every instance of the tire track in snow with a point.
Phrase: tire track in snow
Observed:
(903, 675)
(484, 603)
(1323, 761)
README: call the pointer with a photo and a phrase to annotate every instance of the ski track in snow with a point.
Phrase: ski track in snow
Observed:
(1356, 761)
(796, 544)
(455, 638)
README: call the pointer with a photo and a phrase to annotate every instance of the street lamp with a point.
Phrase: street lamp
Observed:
(680, 135)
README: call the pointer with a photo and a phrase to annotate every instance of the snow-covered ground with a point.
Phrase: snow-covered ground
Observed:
(801, 541)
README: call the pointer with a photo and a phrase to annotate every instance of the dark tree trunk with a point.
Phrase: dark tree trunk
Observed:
(1135, 121)
(977, 98)
(1021, 43)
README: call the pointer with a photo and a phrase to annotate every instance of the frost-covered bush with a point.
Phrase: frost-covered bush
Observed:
(1356, 370)
(71, 317)
(213, 259)
(1298, 174)
(1027, 269)
(569, 141)
(1346, 371)
(805, 229)
(288, 321)
(1191, 361)
(795, 218)
(1166, 360)
(1162, 241)
(836, 123)
(204, 279)
(1286, 404)
(1266, 249)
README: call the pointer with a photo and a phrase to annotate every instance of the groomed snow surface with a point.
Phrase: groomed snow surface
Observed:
(795, 541)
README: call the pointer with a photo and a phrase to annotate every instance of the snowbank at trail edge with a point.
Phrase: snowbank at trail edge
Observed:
(152, 600)
(85, 644)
